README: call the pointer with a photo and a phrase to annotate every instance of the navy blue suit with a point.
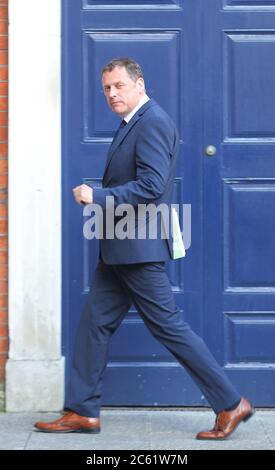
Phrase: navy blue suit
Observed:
(140, 169)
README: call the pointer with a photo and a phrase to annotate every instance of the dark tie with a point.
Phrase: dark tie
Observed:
(116, 135)
(119, 130)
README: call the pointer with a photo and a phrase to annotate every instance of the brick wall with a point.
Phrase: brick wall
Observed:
(3, 190)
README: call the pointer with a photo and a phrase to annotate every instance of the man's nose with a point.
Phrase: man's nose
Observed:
(112, 92)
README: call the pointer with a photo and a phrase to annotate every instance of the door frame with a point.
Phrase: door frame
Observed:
(35, 369)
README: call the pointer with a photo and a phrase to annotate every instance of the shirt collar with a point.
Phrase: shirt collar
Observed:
(143, 100)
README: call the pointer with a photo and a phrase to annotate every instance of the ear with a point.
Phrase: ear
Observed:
(140, 85)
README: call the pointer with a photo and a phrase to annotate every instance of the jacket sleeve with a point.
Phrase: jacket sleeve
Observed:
(153, 154)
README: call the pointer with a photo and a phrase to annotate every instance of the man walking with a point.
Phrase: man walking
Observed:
(140, 169)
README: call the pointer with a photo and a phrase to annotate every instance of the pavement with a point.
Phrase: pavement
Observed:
(139, 429)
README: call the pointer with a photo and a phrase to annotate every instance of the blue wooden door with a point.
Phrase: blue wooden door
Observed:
(239, 191)
(209, 64)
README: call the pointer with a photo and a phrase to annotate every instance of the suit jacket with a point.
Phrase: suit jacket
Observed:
(140, 169)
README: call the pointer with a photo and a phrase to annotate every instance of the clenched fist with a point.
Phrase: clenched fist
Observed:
(83, 194)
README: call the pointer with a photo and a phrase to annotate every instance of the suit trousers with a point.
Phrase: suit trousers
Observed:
(114, 289)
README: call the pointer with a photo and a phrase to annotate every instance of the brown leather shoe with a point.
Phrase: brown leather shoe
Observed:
(70, 422)
(227, 421)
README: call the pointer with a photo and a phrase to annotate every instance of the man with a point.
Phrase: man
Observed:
(140, 169)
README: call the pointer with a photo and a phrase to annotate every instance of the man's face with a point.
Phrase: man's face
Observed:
(122, 93)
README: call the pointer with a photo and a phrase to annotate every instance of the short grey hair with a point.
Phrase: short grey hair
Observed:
(132, 67)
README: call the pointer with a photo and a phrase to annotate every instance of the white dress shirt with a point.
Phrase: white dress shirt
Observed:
(143, 100)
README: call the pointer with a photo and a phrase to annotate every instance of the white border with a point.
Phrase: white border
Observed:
(35, 369)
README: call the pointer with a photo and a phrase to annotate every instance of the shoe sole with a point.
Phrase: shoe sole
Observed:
(81, 430)
(252, 412)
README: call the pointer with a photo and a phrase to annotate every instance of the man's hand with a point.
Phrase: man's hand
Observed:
(83, 194)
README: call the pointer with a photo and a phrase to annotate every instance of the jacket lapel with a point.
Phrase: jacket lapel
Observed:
(124, 132)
